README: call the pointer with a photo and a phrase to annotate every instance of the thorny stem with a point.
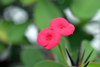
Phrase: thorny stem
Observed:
(63, 54)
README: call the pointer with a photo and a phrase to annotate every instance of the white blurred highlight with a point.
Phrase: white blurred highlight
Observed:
(15, 14)
(97, 16)
(92, 28)
(71, 17)
(96, 42)
(31, 33)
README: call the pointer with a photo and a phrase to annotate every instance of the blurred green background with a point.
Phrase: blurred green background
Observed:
(21, 21)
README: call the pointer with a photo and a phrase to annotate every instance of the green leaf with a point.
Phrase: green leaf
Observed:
(28, 2)
(88, 48)
(98, 60)
(85, 9)
(45, 14)
(57, 52)
(67, 44)
(48, 63)
(30, 56)
(6, 2)
(12, 33)
(93, 64)
(16, 33)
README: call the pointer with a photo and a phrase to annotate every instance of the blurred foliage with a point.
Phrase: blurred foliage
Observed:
(41, 12)
(2, 48)
(45, 14)
(30, 56)
(77, 37)
(63, 3)
(48, 64)
(57, 52)
(8, 32)
(28, 2)
(19, 30)
(7, 2)
(88, 48)
(84, 9)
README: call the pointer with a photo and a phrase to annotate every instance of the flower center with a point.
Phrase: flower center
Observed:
(61, 27)
(49, 37)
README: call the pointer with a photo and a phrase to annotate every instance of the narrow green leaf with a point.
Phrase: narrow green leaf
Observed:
(85, 9)
(88, 48)
(48, 63)
(86, 64)
(45, 14)
(72, 62)
(30, 56)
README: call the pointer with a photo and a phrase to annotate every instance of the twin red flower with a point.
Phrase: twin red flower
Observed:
(49, 38)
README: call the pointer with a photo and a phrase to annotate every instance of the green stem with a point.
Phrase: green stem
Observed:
(63, 54)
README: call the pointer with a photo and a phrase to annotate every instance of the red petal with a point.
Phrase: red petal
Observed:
(67, 31)
(55, 40)
(54, 23)
(41, 39)
(51, 45)
(44, 42)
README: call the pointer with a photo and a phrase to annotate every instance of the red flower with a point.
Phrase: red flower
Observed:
(62, 26)
(48, 38)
